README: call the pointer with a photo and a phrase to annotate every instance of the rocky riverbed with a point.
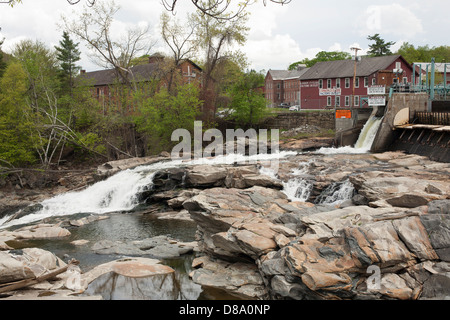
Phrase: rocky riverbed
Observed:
(277, 234)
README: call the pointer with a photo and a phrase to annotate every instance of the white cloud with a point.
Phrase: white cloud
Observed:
(277, 52)
(392, 19)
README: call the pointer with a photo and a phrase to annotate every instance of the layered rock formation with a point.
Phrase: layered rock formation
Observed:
(395, 247)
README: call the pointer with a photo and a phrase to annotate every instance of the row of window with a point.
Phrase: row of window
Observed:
(346, 83)
(347, 100)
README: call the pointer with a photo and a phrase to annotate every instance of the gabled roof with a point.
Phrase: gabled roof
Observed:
(143, 72)
(345, 68)
(287, 74)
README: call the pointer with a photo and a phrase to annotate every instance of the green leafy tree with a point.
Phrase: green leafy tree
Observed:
(322, 56)
(2, 61)
(247, 99)
(16, 143)
(165, 112)
(424, 53)
(380, 47)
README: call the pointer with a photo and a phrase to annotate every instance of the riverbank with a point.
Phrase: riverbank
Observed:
(312, 229)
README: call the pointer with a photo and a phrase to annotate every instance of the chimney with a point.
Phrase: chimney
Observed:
(82, 71)
(300, 67)
(156, 57)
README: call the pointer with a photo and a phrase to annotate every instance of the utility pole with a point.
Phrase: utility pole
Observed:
(356, 49)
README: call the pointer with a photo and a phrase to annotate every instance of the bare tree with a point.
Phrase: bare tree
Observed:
(218, 9)
(181, 40)
(94, 27)
(215, 38)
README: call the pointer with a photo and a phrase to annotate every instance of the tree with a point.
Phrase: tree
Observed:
(219, 9)
(165, 112)
(216, 9)
(247, 99)
(67, 55)
(424, 53)
(215, 37)
(321, 56)
(93, 26)
(180, 38)
(380, 47)
(16, 143)
(2, 62)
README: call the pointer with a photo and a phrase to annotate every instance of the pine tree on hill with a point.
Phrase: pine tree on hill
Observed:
(68, 55)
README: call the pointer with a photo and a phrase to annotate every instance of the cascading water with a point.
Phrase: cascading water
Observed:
(364, 142)
(336, 193)
(120, 191)
(368, 133)
(298, 189)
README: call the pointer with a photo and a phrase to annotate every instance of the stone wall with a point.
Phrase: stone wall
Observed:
(321, 119)
(288, 120)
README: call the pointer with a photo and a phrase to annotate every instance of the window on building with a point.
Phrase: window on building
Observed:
(356, 102)
(329, 83)
(366, 82)
(338, 101)
(347, 101)
(279, 86)
(405, 80)
(347, 82)
(321, 84)
(357, 82)
(398, 65)
(338, 83)
(328, 101)
(374, 81)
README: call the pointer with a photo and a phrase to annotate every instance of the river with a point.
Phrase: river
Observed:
(117, 196)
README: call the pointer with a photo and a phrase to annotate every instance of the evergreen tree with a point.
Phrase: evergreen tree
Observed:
(380, 47)
(2, 62)
(67, 55)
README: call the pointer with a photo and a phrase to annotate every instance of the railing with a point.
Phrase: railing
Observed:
(434, 118)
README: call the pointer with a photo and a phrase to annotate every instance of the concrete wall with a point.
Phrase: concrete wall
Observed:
(348, 130)
(386, 134)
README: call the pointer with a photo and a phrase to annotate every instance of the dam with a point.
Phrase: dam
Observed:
(414, 119)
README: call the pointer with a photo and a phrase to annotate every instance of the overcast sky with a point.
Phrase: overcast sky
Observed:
(279, 35)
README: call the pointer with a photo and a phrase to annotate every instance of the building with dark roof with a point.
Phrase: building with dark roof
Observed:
(329, 84)
(155, 71)
(283, 86)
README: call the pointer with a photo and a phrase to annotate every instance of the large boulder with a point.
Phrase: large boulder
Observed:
(400, 190)
(29, 263)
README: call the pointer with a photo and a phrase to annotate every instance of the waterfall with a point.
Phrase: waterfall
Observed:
(368, 134)
(364, 142)
(298, 189)
(120, 191)
(336, 193)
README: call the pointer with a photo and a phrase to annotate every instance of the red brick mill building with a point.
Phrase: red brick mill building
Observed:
(329, 84)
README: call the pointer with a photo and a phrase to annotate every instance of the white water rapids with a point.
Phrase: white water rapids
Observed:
(120, 191)
(364, 143)
(299, 188)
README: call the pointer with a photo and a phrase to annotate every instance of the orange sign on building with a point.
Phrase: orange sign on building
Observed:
(343, 114)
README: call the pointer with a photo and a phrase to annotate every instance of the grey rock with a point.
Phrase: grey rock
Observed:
(438, 229)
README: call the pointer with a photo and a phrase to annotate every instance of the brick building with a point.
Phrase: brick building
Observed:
(283, 86)
(150, 76)
(329, 84)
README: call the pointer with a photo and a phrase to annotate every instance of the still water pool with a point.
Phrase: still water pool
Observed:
(131, 227)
